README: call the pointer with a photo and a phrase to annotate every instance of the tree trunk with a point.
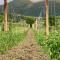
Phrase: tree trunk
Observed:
(47, 18)
(5, 24)
(30, 25)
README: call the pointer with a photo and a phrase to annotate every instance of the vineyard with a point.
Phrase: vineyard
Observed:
(51, 45)
(24, 37)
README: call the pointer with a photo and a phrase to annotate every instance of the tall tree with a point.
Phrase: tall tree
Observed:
(5, 24)
(30, 21)
(47, 18)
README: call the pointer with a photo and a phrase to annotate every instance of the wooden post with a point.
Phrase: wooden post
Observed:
(47, 18)
(5, 24)
(36, 24)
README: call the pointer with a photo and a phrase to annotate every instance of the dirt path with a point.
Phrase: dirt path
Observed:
(27, 50)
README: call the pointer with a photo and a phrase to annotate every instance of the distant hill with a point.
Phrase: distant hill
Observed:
(26, 7)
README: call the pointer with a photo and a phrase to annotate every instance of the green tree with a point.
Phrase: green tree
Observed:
(30, 20)
(1, 18)
(52, 21)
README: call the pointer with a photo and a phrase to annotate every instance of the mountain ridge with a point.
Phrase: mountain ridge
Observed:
(26, 7)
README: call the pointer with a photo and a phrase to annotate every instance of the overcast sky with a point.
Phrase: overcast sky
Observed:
(36, 0)
(2, 1)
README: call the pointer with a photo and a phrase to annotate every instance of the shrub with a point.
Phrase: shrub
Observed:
(30, 21)
(52, 44)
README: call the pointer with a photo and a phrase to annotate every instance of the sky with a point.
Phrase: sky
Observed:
(34, 1)
(2, 1)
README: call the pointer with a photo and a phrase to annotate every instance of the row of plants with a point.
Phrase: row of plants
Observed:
(10, 39)
(52, 45)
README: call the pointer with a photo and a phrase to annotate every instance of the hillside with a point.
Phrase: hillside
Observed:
(26, 7)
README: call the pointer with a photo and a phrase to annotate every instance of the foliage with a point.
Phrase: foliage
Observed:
(52, 20)
(10, 39)
(30, 20)
(1, 18)
(52, 44)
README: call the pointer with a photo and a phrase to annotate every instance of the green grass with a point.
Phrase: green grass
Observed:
(52, 45)
(11, 38)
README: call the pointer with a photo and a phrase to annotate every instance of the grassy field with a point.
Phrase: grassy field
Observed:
(12, 37)
(52, 45)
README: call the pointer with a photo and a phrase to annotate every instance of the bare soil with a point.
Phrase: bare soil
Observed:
(26, 50)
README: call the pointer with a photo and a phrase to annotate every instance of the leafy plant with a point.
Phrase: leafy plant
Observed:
(30, 21)
(52, 44)
(10, 39)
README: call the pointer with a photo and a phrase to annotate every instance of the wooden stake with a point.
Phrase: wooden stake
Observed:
(5, 24)
(47, 19)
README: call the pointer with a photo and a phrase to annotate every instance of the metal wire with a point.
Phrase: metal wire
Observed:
(55, 12)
